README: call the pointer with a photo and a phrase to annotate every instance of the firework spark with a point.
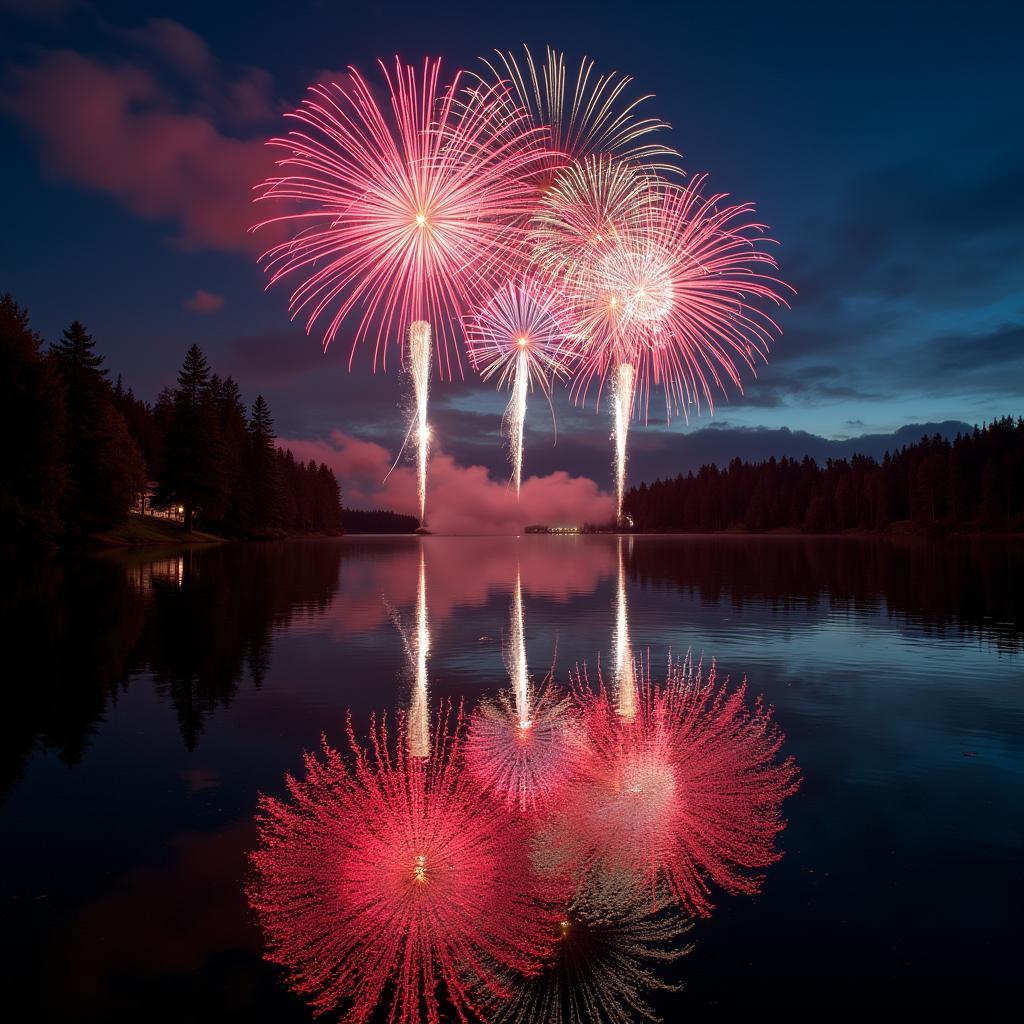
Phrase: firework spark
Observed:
(687, 793)
(515, 339)
(394, 879)
(614, 943)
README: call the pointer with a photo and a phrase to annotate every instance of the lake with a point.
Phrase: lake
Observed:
(152, 697)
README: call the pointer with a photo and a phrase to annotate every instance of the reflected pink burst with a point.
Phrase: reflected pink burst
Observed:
(686, 793)
(394, 879)
(523, 766)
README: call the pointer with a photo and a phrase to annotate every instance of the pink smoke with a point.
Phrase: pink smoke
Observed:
(462, 499)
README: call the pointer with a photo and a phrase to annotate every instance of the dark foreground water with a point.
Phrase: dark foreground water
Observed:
(148, 699)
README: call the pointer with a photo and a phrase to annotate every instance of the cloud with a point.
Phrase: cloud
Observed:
(461, 499)
(204, 302)
(114, 127)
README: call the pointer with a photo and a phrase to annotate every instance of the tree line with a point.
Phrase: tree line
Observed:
(82, 451)
(975, 481)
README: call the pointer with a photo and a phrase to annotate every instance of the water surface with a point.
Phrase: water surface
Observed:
(151, 697)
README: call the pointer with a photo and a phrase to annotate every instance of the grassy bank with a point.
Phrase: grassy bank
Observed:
(148, 530)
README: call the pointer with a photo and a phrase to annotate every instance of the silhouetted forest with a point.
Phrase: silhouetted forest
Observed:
(84, 451)
(975, 482)
(378, 520)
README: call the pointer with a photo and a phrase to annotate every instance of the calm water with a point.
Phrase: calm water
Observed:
(151, 698)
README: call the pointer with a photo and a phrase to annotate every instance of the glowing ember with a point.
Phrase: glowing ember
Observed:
(392, 879)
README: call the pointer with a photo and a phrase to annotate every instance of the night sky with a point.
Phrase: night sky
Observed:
(883, 144)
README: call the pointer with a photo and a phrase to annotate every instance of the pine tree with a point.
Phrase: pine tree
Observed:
(264, 482)
(193, 460)
(102, 459)
(32, 420)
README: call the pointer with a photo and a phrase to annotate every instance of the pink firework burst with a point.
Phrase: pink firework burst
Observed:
(405, 209)
(689, 284)
(516, 326)
(686, 793)
(515, 339)
(523, 764)
(394, 877)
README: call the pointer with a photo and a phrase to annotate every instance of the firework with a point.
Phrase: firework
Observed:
(685, 794)
(594, 209)
(520, 743)
(591, 206)
(614, 942)
(515, 340)
(400, 204)
(405, 213)
(393, 879)
(588, 114)
(691, 282)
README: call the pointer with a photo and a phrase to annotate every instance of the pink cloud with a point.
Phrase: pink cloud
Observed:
(114, 128)
(461, 499)
(204, 302)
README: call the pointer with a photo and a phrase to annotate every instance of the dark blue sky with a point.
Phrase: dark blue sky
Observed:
(883, 144)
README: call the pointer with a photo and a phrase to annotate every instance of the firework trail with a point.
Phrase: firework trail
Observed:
(520, 743)
(686, 794)
(622, 399)
(419, 370)
(405, 213)
(396, 880)
(515, 339)
(614, 942)
(624, 676)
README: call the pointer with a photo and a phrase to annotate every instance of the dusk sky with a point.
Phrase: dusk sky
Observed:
(882, 143)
